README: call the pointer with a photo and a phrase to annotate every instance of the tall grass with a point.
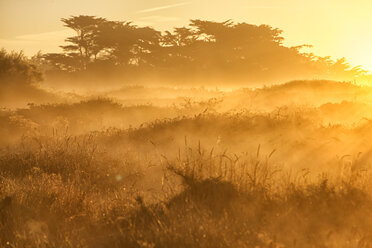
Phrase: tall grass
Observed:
(187, 176)
(71, 192)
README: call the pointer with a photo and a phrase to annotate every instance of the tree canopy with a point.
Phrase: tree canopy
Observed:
(204, 49)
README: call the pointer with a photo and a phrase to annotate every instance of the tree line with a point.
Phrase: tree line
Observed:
(225, 51)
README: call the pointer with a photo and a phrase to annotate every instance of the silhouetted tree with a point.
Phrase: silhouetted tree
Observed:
(209, 50)
(63, 62)
(85, 43)
(125, 43)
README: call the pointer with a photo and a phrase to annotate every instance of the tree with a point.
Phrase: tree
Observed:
(180, 37)
(148, 49)
(63, 62)
(228, 51)
(85, 44)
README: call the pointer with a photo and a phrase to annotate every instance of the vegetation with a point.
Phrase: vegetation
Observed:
(65, 191)
(15, 68)
(205, 53)
(285, 165)
(186, 176)
(19, 79)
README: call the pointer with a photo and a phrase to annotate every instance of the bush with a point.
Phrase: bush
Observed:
(16, 69)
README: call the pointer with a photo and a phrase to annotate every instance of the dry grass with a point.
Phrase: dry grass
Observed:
(187, 176)
(73, 192)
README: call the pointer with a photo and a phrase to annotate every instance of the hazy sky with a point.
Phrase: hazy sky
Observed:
(339, 28)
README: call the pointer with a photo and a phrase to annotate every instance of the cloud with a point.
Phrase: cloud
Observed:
(162, 7)
(31, 43)
(46, 36)
(262, 7)
(159, 18)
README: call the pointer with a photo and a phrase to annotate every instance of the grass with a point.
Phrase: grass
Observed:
(185, 176)
(71, 192)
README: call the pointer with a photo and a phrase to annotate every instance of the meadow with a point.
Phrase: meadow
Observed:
(286, 165)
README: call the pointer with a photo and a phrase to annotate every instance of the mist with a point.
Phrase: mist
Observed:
(214, 134)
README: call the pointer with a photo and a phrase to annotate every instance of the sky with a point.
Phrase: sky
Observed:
(338, 28)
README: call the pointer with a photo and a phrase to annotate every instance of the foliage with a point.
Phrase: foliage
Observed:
(16, 69)
(200, 51)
